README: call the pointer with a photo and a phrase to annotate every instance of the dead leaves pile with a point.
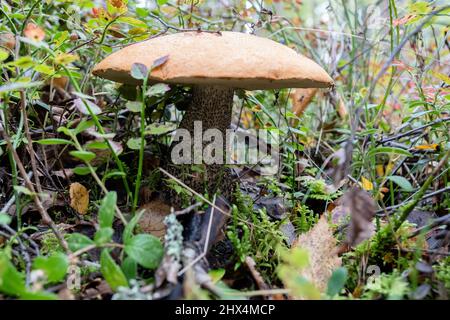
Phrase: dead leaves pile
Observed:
(323, 254)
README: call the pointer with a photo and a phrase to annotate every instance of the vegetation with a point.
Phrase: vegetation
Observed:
(358, 208)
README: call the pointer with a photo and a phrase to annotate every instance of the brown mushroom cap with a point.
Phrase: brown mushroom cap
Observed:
(229, 59)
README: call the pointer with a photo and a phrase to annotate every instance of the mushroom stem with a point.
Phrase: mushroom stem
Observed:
(212, 106)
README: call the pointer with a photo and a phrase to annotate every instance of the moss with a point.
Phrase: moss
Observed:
(443, 273)
(259, 238)
(50, 244)
(303, 218)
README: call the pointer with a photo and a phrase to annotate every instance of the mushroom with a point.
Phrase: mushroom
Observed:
(215, 64)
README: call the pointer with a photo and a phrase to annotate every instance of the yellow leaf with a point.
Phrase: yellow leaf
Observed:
(366, 184)
(389, 167)
(380, 170)
(65, 58)
(442, 77)
(433, 146)
(79, 198)
(256, 108)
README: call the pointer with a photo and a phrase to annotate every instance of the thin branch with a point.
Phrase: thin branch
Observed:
(46, 219)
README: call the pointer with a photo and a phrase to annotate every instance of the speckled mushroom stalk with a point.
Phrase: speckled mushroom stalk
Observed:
(215, 64)
(212, 106)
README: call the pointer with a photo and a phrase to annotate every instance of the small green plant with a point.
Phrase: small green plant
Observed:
(303, 218)
(392, 286)
(253, 234)
(319, 190)
(443, 272)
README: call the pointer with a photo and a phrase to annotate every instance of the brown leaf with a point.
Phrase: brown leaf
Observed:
(362, 209)
(301, 98)
(323, 258)
(152, 220)
(341, 161)
(79, 197)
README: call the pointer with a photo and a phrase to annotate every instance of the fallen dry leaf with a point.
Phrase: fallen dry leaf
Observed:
(152, 220)
(79, 197)
(323, 257)
(301, 98)
(361, 207)
(427, 147)
(366, 184)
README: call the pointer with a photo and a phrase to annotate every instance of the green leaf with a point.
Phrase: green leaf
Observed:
(83, 155)
(42, 68)
(3, 55)
(111, 271)
(135, 143)
(129, 267)
(139, 71)
(5, 219)
(39, 295)
(24, 190)
(78, 241)
(401, 182)
(66, 131)
(389, 150)
(16, 86)
(53, 141)
(106, 211)
(82, 171)
(159, 128)
(83, 125)
(146, 249)
(134, 106)
(128, 231)
(103, 235)
(99, 145)
(216, 275)
(157, 89)
(114, 174)
(23, 62)
(337, 281)
(12, 282)
(54, 266)
(132, 21)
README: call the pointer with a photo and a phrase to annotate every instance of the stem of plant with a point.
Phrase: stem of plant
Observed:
(97, 124)
(102, 131)
(406, 209)
(141, 149)
(99, 181)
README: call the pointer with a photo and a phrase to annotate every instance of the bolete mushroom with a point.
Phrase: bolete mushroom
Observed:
(215, 64)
